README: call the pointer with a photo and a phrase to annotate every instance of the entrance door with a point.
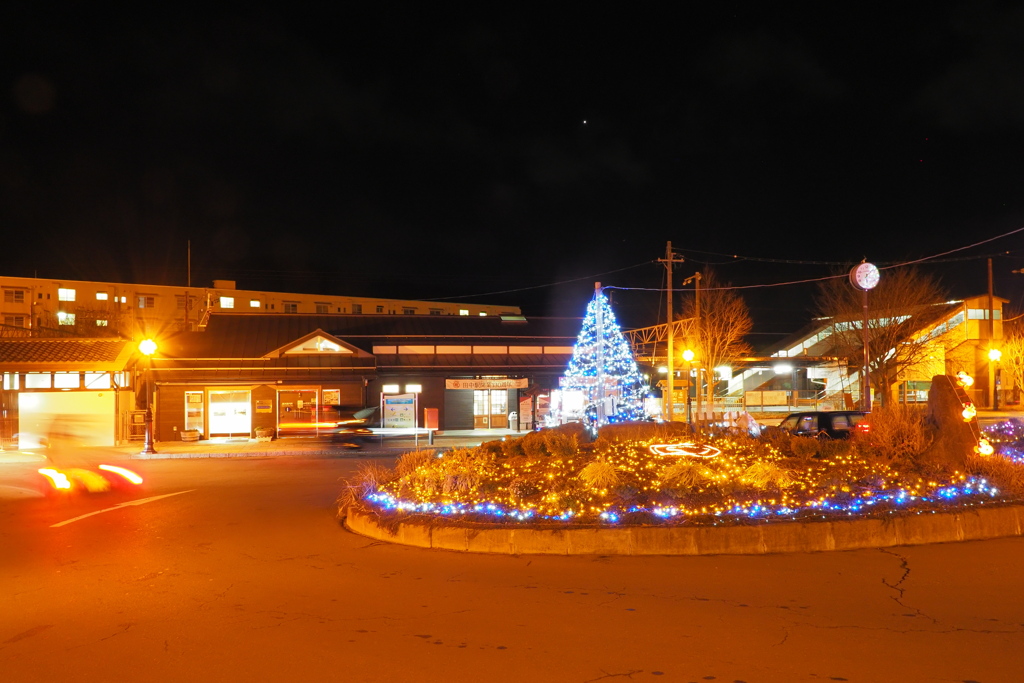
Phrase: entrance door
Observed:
(490, 409)
(229, 413)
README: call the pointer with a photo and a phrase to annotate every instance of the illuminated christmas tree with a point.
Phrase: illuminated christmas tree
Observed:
(603, 369)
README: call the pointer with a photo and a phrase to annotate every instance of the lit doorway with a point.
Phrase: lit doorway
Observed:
(229, 413)
(490, 409)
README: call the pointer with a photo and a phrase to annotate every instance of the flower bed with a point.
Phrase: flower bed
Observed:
(665, 477)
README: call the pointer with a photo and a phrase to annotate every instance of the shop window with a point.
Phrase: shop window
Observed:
(65, 294)
(38, 380)
(97, 380)
(194, 410)
(66, 380)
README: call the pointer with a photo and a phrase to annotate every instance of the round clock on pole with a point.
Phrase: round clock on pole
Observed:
(864, 276)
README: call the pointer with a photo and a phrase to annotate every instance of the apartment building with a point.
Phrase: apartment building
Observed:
(43, 307)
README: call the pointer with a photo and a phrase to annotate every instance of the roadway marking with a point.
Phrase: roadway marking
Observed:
(140, 501)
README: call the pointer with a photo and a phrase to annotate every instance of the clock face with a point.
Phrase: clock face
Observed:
(864, 276)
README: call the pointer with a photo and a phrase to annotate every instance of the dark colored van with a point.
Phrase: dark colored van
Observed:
(834, 424)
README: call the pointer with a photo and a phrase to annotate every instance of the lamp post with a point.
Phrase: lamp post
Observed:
(994, 355)
(147, 347)
(864, 276)
(688, 355)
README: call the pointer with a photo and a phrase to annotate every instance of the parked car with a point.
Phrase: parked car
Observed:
(835, 424)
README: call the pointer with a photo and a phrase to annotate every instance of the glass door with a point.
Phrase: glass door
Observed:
(194, 411)
(490, 409)
(229, 413)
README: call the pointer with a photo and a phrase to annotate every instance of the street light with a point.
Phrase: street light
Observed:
(688, 356)
(995, 355)
(147, 347)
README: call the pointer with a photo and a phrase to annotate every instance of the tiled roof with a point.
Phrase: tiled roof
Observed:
(255, 335)
(69, 353)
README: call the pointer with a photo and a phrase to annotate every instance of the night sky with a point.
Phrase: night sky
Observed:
(419, 150)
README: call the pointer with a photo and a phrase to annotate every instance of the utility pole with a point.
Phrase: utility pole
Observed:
(695, 279)
(671, 385)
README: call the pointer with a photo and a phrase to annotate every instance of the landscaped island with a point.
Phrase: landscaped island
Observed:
(662, 474)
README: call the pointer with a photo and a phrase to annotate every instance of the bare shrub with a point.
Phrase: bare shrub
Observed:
(899, 432)
(804, 447)
(534, 445)
(779, 439)
(512, 448)
(600, 474)
(1005, 474)
(767, 475)
(368, 478)
(413, 460)
(562, 444)
(685, 474)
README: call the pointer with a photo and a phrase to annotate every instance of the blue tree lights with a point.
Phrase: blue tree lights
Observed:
(602, 371)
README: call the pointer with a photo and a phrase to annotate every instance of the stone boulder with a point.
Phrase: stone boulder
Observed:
(955, 439)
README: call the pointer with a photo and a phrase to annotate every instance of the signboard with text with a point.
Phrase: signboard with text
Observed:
(520, 383)
(399, 411)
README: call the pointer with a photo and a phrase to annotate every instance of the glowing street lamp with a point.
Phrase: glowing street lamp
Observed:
(995, 355)
(147, 347)
(688, 356)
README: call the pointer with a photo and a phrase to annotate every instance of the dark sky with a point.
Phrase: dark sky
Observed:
(416, 150)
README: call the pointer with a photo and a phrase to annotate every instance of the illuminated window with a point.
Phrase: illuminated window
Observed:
(482, 313)
(227, 302)
(101, 323)
(389, 388)
(65, 318)
(37, 380)
(254, 303)
(65, 294)
(66, 380)
(11, 381)
(14, 296)
(124, 299)
(413, 388)
(101, 296)
(97, 380)
(463, 311)
(147, 302)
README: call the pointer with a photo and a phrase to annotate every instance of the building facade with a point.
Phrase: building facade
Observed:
(471, 373)
(48, 307)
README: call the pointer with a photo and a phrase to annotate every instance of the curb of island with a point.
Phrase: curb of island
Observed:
(998, 521)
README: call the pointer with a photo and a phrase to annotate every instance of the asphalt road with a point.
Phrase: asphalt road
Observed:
(242, 573)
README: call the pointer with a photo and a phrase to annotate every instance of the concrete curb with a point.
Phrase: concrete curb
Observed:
(776, 537)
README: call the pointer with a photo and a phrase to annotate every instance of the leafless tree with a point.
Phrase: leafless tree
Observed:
(902, 310)
(717, 332)
(1013, 354)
